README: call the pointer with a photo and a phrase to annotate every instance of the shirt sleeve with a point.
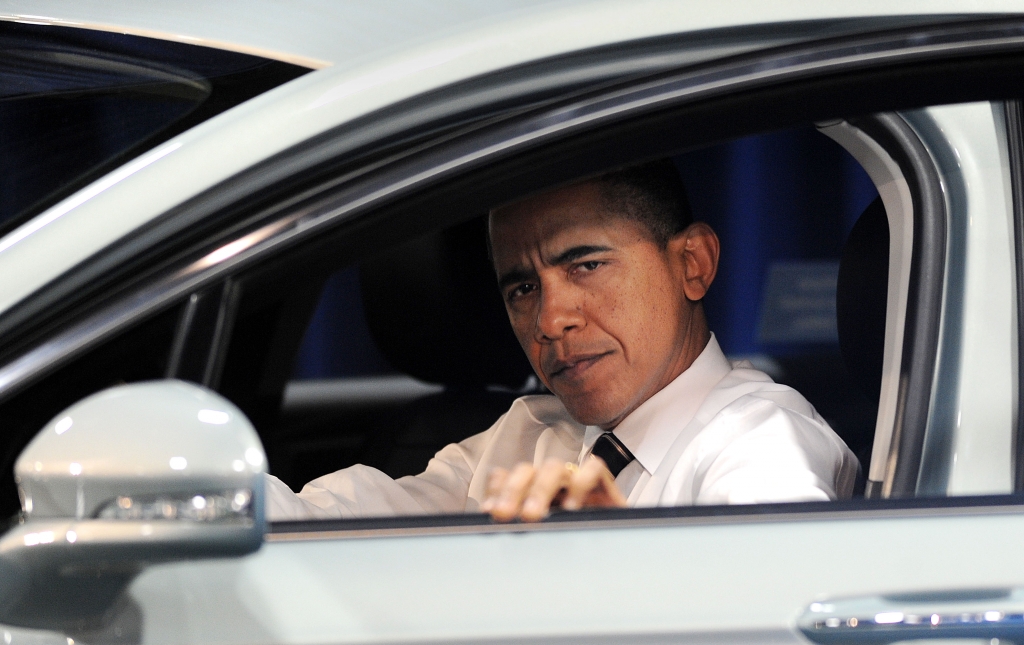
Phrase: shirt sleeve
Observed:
(535, 428)
(362, 491)
(756, 451)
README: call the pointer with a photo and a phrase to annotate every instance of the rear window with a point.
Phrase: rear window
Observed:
(75, 104)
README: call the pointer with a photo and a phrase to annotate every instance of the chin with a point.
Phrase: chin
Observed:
(596, 405)
(589, 413)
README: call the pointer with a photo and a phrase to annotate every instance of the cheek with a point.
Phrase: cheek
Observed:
(645, 315)
(523, 329)
(533, 351)
(661, 306)
(519, 327)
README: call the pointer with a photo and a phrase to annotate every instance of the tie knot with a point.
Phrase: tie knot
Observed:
(615, 455)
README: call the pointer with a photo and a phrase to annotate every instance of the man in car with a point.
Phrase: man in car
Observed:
(603, 282)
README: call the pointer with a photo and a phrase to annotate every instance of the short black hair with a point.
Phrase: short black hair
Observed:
(651, 194)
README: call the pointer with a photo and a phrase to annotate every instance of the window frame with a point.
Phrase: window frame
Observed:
(346, 196)
(656, 517)
(1014, 111)
(631, 76)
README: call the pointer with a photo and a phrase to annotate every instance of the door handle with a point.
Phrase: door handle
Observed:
(877, 620)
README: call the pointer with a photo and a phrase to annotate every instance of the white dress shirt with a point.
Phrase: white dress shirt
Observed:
(720, 433)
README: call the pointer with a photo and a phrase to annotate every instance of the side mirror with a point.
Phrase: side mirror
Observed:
(133, 475)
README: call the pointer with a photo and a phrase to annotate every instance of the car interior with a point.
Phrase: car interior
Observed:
(424, 327)
(385, 360)
(381, 337)
(385, 339)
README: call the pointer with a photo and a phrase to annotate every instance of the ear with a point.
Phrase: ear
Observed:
(697, 248)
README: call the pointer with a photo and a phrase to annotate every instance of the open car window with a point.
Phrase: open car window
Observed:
(388, 371)
(295, 311)
(338, 300)
(812, 288)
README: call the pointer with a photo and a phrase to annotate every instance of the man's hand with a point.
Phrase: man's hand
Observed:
(529, 493)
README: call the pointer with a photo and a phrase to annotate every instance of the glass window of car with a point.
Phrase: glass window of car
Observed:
(783, 204)
(75, 104)
(772, 308)
(291, 330)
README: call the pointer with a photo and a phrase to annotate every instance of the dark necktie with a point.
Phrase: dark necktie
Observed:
(615, 455)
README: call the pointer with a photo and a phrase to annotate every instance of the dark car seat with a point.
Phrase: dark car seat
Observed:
(861, 295)
(433, 308)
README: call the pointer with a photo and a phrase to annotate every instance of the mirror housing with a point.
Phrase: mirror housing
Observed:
(133, 475)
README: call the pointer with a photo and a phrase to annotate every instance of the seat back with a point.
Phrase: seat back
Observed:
(434, 310)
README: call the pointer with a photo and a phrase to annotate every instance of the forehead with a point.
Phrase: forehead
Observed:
(553, 219)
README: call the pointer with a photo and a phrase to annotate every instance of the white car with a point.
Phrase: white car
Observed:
(241, 236)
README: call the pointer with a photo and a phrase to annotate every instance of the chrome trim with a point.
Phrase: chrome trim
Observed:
(992, 614)
(221, 334)
(181, 334)
(791, 63)
(891, 183)
(924, 300)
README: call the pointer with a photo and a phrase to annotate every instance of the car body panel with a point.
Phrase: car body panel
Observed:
(320, 32)
(971, 426)
(708, 579)
(747, 581)
(95, 217)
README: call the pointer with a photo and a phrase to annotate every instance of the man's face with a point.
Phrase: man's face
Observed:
(601, 309)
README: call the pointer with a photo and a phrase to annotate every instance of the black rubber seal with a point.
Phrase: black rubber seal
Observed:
(1015, 144)
(924, 300)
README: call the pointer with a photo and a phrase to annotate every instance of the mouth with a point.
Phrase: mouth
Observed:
(574, 367)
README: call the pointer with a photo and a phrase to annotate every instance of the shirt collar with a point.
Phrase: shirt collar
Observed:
(649, 430)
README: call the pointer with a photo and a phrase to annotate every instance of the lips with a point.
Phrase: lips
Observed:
(573, 367)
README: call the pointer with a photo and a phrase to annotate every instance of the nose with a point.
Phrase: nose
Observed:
(559, 312)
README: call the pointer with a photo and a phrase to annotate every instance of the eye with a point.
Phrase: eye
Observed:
(588, 266)
(520, 291)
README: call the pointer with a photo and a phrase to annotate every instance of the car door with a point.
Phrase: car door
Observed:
(946, 424)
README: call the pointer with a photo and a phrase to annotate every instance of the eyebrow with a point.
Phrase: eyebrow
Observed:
(569, 255)
(577, 252)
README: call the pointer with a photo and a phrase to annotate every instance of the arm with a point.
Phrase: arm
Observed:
(534, 429)
(362, 491)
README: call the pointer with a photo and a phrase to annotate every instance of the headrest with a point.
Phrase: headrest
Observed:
(434, 310)
(861, 298)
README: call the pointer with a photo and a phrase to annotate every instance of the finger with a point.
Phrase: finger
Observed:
(495, 482)
(607, 494)
(581, 485)
(513, 490)
(549, 481)
(593, 485)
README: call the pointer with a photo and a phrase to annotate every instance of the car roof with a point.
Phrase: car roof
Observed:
(371, 54)
(319, 33)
